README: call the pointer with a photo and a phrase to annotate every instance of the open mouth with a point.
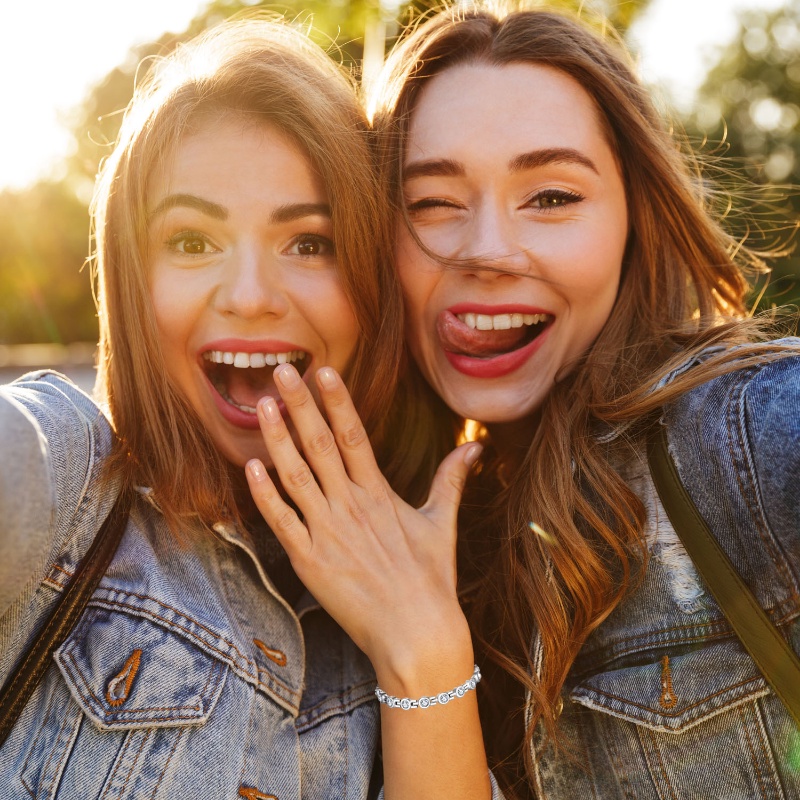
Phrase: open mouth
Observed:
(242, 379)
(486, 336)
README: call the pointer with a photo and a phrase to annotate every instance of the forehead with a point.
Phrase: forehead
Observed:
(233, 152)
(467, 107)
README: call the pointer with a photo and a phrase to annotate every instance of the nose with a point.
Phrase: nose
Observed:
(492, 242)
(251, 285)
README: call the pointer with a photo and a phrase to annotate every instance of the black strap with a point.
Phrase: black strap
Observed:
(777, 662)
(69, 606)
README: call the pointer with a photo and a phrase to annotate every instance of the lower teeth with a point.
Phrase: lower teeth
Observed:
(226, 397)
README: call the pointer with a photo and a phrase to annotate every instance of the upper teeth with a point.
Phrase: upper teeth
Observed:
(245, 360)
(500, 322)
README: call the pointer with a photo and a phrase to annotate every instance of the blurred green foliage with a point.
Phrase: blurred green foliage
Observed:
(47, 297)
(750, 102)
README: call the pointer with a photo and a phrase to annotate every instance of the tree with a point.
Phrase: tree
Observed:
(45, 228)
(46, 295)
(750, 101)
(338, 26)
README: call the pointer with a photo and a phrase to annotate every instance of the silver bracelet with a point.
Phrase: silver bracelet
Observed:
(433, 700)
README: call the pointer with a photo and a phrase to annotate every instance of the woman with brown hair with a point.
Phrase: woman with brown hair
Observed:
(569, 287)
(238, 226)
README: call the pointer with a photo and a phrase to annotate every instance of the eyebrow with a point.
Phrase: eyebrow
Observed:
(293, 211)
(439, 167)
(551, 155)
(285, 213)
(447, 168)
(190, 201)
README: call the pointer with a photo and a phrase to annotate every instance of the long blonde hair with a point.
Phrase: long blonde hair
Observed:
(683, 286)
(268, 70)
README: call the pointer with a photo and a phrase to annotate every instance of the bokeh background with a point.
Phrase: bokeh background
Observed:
(728, 71)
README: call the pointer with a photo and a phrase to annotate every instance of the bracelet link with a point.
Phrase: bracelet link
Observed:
(441, 699)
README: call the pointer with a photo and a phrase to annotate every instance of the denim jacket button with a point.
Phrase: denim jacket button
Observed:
(275, 656)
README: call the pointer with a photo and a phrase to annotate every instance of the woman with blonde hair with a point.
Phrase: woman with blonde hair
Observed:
(238, 227)
(570, 288)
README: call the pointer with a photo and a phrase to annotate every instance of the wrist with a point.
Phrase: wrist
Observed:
(432, 661)
(427, 701)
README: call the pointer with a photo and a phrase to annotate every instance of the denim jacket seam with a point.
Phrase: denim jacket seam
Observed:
(343, 702)
(215, 673)
(254, 670)
(213, 678)
(781, 613)
(751, 493)
(676, 714)
(33, 748)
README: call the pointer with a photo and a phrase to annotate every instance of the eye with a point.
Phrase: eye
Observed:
(426, 203)
(311, 244)
(550, 199)
(191, 243)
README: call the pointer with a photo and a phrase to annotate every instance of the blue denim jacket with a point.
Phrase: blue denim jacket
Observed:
(188, 676)
(663, 702)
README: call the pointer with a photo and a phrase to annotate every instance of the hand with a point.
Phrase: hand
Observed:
(383, 570)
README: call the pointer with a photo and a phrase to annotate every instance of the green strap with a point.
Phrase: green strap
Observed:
(777, 661)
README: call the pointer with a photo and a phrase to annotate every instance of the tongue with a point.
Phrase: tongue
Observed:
(459, 338)
(247, 386)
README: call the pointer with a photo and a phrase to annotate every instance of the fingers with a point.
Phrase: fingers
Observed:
(448, 485)
(295, 474)
(341, 452)
(317, 442)
(280, 516)
(351, 436)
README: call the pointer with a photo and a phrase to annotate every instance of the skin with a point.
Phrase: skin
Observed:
(544, 205)
(241, 259)
(386, 573)
(508, 166)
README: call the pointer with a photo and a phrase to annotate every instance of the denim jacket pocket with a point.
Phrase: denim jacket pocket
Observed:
(127, 672)
(114, 715)
(675, 691)
(671, 725)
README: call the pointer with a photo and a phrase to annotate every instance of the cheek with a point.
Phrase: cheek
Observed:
(327, 309)
(170, 308)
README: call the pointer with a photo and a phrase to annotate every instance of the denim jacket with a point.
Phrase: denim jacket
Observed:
(663, 701)
(188, 675)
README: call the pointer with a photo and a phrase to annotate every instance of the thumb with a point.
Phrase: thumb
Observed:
(448, 484)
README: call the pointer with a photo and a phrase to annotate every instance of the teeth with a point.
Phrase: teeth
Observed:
(500, 322)
(255, 360)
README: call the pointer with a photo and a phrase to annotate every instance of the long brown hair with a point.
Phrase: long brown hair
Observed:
(268, 70)
(683, 286)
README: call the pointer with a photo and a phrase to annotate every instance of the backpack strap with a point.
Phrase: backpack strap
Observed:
(34, 662)
(777, 662)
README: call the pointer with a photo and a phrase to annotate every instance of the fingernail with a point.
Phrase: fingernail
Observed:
(288, 376)
(471, 456)
(256, 470)
(268, 409)
(327, 378)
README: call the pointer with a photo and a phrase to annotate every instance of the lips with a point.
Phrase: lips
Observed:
(240, 373)
(489, 342)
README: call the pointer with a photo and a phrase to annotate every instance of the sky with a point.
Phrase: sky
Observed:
(52, 52)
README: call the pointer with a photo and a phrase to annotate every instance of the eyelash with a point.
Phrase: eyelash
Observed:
(323, 241)
(429, 202)
(184, 236)
(563, 196)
